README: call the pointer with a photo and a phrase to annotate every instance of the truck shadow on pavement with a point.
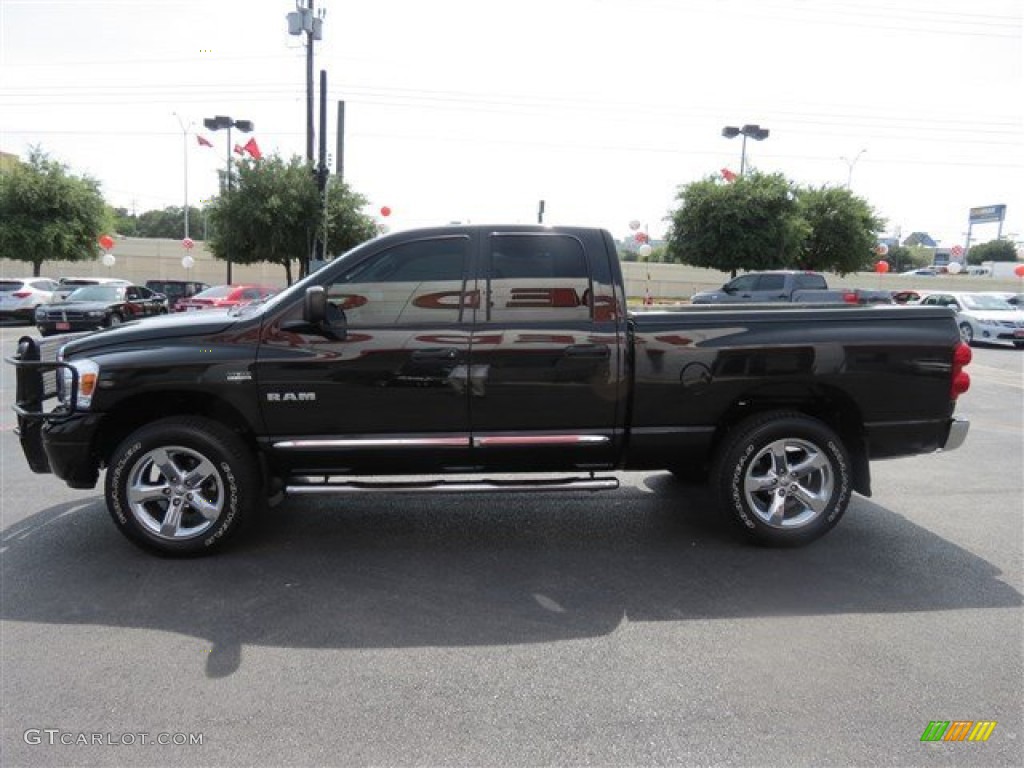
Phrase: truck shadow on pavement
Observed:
(388, 571)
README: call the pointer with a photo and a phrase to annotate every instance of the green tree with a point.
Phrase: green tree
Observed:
(841, 231)
(48, 214)
(901, 258)
(169, 223)
(994, 250)
(750, 223)
(273, 213)
(125, 223)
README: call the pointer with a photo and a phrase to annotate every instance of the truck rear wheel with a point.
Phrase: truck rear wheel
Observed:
(784, 478)
(181, 486)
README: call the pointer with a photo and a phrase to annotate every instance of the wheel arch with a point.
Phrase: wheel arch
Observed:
(139, 410)
(828, 405)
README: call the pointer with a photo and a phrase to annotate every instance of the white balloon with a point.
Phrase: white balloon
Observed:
(109, 260)
(187, 262)
(954, 267)
(644, 250)
(634, 225)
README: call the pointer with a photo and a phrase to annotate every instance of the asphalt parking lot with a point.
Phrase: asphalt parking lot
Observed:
(627, 628)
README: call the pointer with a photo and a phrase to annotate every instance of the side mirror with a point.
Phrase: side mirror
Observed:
(314, 307)
(319, 316)
(728, 288)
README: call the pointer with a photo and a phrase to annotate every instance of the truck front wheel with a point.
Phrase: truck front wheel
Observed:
(181, 486)
(784, 478)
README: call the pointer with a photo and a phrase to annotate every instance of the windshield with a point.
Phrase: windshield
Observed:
(988, 303)
(97, 293)
(6, 286)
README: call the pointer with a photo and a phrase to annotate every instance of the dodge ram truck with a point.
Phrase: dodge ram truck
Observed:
(505, 352)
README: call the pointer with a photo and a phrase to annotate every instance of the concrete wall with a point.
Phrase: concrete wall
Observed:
(140, 259)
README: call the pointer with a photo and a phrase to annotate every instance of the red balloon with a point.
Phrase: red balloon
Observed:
(881, 266)
(385, 211)
(1019, 271)
(106, 242)
(188, 243)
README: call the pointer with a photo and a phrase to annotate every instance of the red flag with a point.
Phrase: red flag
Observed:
(728, 175)
(203, 141)
(238, 149)
(253, 149)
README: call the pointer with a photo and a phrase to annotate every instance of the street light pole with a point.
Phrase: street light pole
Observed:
(755, 132)
(184, 148)
(849, 165)
(215, 124)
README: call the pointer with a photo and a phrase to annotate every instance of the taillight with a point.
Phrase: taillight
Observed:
(961, 380)
(850, 297)
(22, 294)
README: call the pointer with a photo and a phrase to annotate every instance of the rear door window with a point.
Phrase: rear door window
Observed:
(537, 277)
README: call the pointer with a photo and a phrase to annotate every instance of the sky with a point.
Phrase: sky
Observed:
(475, 111)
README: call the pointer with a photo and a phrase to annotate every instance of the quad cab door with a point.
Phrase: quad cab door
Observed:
(546, 366)
(388, 391)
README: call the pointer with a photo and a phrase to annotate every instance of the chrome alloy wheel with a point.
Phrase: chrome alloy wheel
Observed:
(175, 492)
(789, 483)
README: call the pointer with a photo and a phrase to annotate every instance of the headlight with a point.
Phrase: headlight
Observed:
(88, 375)
(94, 313)
(40, 314)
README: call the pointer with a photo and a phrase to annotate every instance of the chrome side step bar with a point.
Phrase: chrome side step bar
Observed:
(321, 484)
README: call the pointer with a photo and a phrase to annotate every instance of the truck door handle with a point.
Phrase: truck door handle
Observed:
(588, 350)
(438, 353)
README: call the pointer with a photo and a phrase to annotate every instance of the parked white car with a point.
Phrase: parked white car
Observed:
(982, 317)
(19, 296)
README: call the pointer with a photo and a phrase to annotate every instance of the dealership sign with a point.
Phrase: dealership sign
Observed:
(987, 213)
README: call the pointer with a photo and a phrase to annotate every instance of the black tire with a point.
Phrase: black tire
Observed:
(215, 488)
(784, 478)
(966, 333)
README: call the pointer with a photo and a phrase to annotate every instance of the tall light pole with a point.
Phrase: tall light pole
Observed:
(215, 124)
(184, 147)
(849, 164)
(755, 132)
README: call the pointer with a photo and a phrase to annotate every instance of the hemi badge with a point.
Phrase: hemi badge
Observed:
(239, 376)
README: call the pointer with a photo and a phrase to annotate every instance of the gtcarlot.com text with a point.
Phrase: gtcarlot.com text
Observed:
(57, 737)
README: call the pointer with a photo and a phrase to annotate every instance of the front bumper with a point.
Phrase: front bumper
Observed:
(71, 326)
(60, 441)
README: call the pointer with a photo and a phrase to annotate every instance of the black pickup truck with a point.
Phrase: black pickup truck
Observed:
(501, 352)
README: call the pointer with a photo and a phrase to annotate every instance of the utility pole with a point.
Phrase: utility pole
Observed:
(339, 159)
(309, 89)
(304, 21)
(322, 170)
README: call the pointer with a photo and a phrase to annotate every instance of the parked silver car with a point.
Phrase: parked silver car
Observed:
(20, 296)
(982, 317)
